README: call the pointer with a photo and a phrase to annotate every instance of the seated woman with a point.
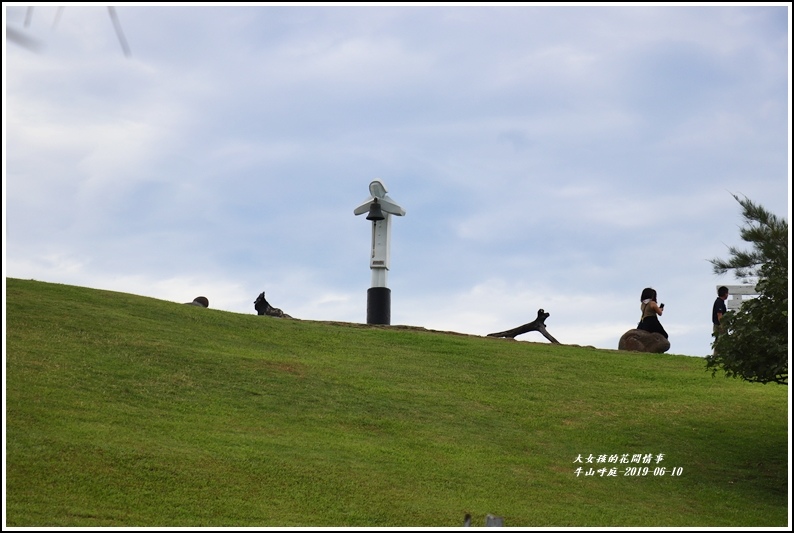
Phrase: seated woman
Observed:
(651, 312)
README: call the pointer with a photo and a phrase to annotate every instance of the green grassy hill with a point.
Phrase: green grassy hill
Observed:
(123, 410)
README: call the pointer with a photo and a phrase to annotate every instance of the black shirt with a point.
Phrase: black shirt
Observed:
(719, 307)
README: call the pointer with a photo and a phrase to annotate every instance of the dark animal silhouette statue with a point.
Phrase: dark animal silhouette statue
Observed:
(264, 308)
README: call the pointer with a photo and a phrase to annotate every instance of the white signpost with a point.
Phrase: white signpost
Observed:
(379, 207)
(736, 292)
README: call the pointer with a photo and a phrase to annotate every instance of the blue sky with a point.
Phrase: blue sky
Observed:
(558, 157)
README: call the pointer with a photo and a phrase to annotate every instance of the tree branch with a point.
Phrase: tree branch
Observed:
(536, 325)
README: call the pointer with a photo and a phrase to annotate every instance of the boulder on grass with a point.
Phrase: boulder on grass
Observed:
(200, 301)
(638, 340)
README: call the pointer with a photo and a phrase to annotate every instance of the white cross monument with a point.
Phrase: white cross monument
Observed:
(379, 208)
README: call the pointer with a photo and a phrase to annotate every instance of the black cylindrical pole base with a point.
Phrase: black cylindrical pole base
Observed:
(379, 305)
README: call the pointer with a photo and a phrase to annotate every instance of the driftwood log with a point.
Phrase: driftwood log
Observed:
(539, 324)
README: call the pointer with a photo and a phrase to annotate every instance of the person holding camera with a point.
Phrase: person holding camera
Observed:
(651, 311)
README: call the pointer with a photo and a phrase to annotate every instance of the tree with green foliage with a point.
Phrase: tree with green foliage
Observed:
(753, 340)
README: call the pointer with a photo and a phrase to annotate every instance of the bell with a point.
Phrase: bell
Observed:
(375, 212)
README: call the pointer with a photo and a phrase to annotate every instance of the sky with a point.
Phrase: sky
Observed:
(555, 156)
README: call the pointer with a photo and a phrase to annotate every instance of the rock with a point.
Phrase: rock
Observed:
(637, 340)
(200, 301)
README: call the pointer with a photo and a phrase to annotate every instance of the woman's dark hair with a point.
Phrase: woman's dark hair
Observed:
(648, 294)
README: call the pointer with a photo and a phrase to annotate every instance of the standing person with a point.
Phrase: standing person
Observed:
(651, 311)
(718, 310)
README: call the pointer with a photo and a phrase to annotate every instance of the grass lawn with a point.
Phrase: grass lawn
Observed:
(123, 410)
